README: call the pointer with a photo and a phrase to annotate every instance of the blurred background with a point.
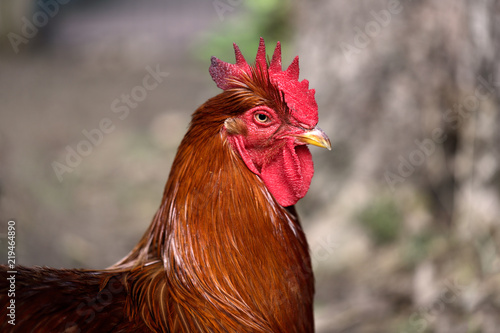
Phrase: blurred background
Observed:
(403, 214)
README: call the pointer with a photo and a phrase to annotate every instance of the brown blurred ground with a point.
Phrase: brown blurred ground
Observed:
(420, 255)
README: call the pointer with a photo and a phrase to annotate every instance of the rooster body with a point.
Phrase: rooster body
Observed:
(225, 251)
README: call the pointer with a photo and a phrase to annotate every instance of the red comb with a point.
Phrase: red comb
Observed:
(299, 98)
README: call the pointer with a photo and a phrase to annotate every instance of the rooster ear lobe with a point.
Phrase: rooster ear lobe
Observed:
(235, 126)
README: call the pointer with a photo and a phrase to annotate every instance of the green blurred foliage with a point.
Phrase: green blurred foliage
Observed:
(382, 220)
(417, 248)
(243, 23)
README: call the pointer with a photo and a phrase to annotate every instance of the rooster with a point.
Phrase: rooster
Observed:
(225, 251)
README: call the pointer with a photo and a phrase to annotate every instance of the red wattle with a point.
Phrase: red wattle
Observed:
(289, 174)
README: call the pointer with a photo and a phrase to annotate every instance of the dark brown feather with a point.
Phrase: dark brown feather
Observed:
(221, 255)
(234, 258)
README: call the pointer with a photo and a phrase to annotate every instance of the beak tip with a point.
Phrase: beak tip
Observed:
(329, 145)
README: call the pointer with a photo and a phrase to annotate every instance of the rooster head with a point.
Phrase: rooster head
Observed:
(276, 121)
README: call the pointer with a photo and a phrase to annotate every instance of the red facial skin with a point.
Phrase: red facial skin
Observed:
(270, 149)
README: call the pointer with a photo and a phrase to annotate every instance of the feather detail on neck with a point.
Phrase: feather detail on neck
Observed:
(225, 244)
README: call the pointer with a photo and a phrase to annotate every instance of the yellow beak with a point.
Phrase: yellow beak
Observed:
(315, 137)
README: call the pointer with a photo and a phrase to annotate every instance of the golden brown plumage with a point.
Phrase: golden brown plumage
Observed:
(221, 255)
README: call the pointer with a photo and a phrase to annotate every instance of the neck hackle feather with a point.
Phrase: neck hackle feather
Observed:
(225, 245)
(221, 255)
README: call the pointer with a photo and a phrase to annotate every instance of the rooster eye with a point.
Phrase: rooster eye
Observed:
(261, 118)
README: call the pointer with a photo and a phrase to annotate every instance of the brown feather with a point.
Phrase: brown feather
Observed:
(232, 255)
(221, 255)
